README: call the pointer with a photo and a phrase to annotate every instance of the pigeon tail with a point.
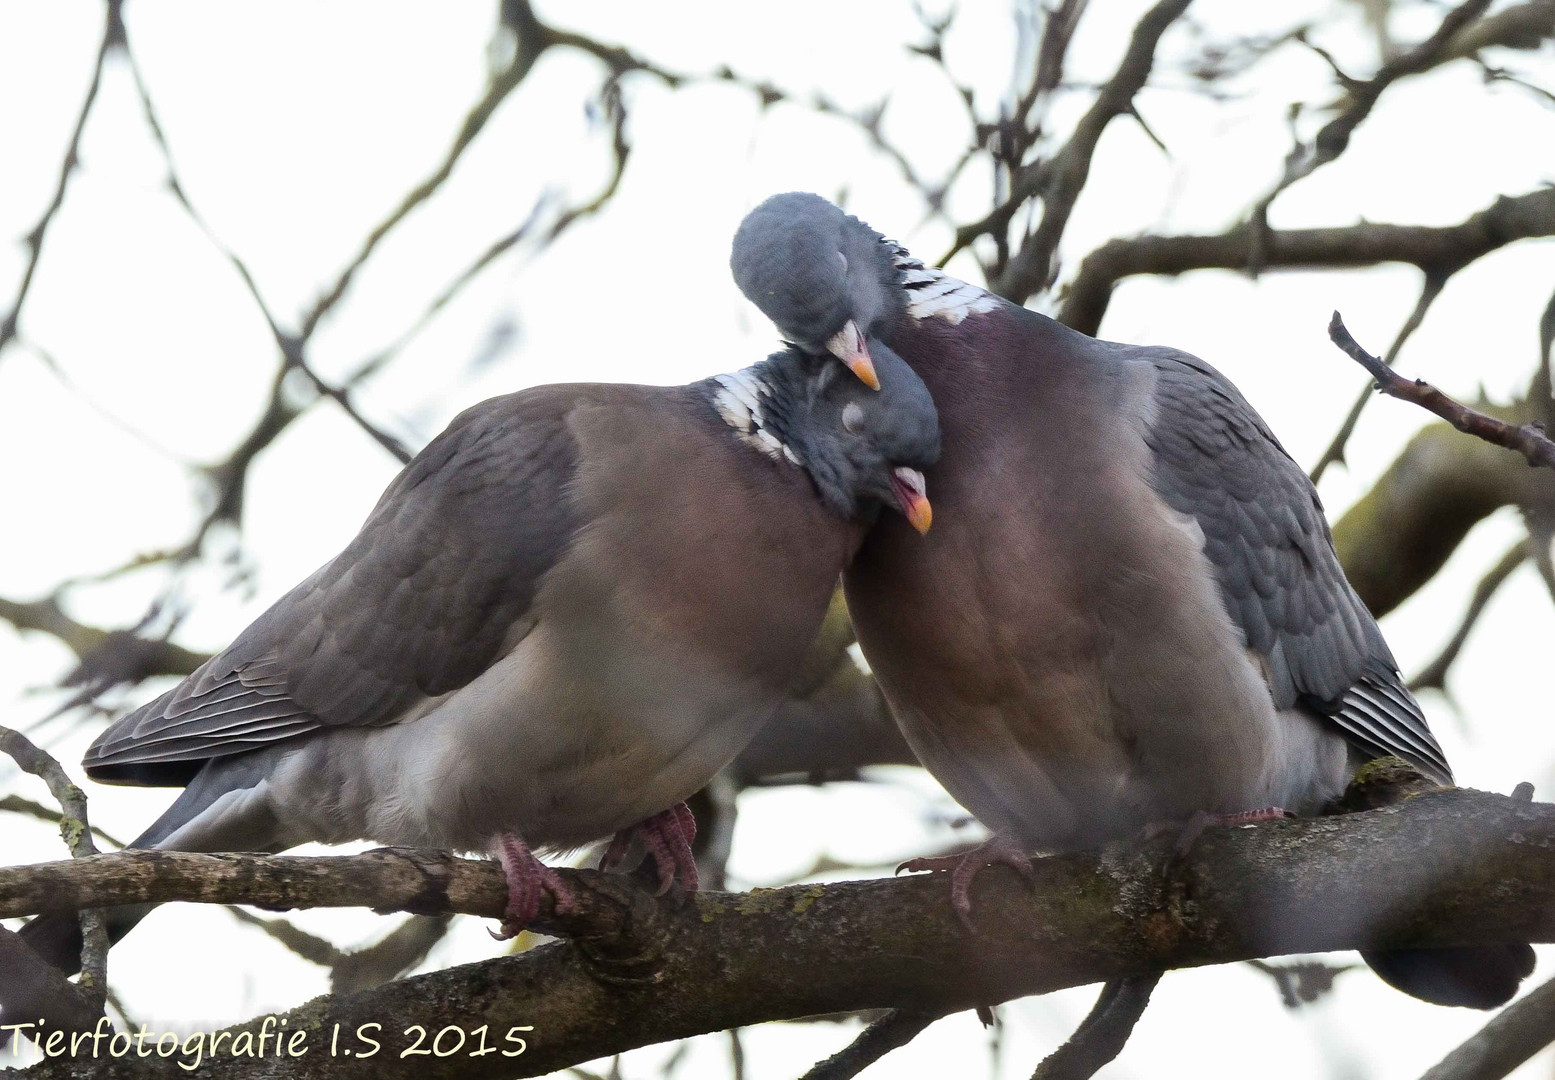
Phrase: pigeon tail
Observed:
(1475, 977)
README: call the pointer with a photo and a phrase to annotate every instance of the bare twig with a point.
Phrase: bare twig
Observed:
(292, 346)
(1521, 1030)
(1527, 439)
(1434, 675)
(397, 952)
(1102, 1034)
(77, 834)
(1303, 982)
(1031, 268)
(16, 804)
(113, 37)
(1432, 287)
(895, 1029)
(533, 38)
(1334, 137)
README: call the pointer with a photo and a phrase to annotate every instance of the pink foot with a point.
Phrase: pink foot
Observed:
(527, 878)
(667, 836)
(998, 849)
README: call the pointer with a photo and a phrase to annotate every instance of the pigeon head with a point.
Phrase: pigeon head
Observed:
(823, 277)
(865, 448)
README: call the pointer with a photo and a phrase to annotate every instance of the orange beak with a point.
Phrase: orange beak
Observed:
(910, 491)
(848, 346)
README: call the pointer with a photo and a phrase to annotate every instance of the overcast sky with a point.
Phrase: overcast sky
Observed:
(295, 127)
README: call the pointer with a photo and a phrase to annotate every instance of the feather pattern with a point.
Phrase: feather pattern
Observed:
(934, 294)
(419, 604)
(1268, 540)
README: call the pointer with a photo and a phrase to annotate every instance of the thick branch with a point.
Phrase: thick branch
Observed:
(1442, 868)
(150, 656)
(1403, 530)
(1433, 249)
(1528, 440)
(1522, 26)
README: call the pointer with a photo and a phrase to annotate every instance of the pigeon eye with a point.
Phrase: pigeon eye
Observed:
(852, 416)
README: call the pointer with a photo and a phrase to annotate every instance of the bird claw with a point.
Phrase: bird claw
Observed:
(998, 849)
(528, 879)
(667, 837)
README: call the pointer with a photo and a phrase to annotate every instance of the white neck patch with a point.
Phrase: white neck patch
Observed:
(739, 403)
(932, 293)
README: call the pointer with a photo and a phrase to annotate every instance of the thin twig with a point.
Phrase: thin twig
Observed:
(1031, 268)
(77, 834)
(113, 36)
(533, 39)
(1527, 439)
(1430, 289)
(1434, 675)
(1303, 981)
(895, 1029)
(292, 346)
(1103, 1033)
(1334, 137)
(16, 804)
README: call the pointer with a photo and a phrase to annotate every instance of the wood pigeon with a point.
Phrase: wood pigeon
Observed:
(1134, 613)
(562, 618)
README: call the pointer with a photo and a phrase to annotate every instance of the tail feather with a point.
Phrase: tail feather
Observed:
(56, 936)
(1475, 977)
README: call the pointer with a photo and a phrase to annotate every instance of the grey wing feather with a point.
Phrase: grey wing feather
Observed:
(419, 603)
(1265, 533)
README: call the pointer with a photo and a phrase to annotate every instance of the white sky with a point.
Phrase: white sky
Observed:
(296, 127)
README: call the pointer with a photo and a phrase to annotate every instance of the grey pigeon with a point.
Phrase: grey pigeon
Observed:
(565, 615)
(1134, 614)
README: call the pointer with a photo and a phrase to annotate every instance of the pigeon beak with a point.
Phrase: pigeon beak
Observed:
(909, 488)
(848, 346)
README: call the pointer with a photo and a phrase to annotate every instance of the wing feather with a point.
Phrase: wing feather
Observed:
(419, 603)
(1265, 533)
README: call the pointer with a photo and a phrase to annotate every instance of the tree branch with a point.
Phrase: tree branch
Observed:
(92, 990)
(1432, 287)
(1061, 180)
(1334, 137)
(1520, 1031)
(895, 1029)
(1431, 248)
(1527, 439)
(1103, 1033)
(1434, 675)
(113, 37)
(1448, 867)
